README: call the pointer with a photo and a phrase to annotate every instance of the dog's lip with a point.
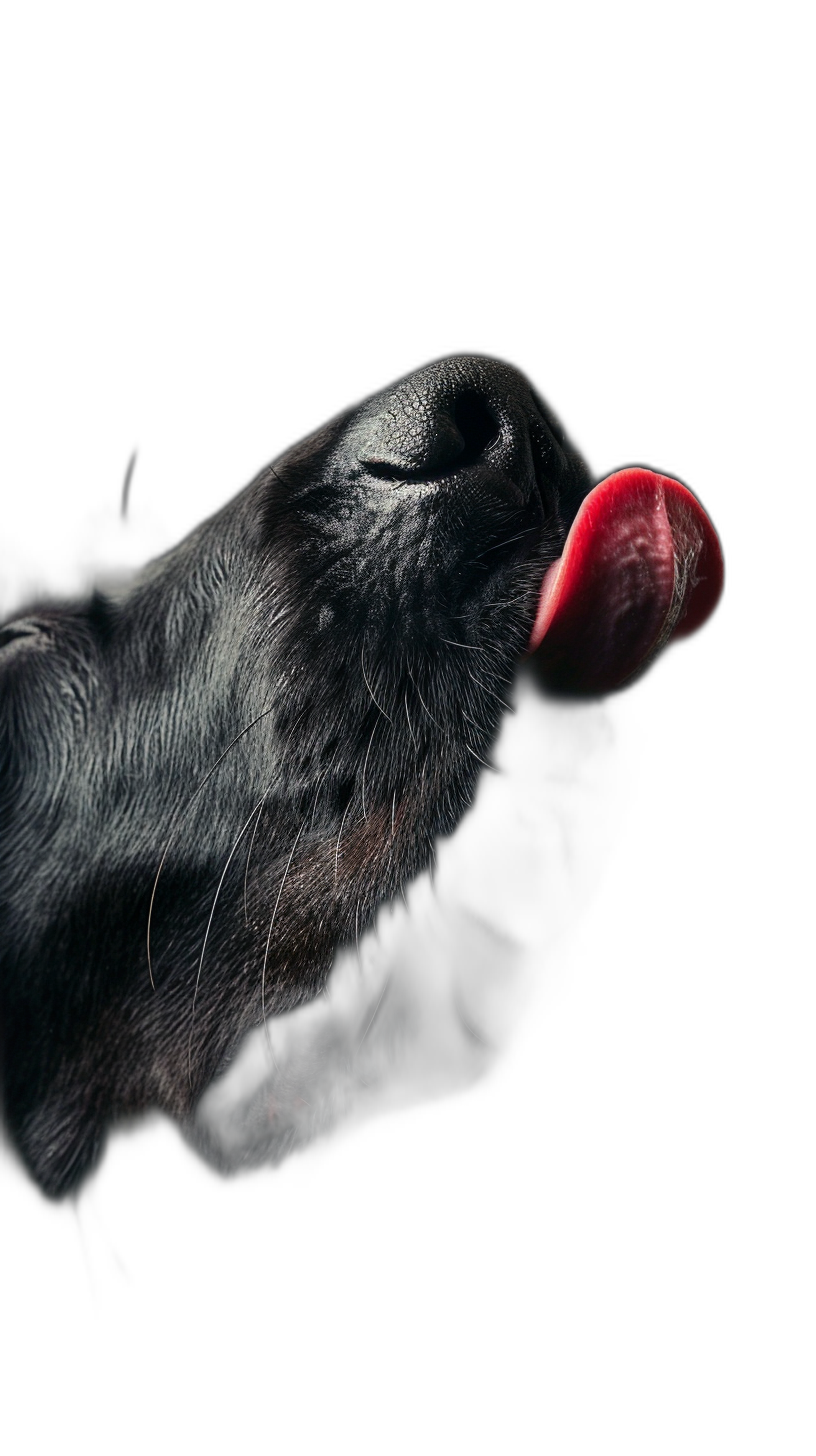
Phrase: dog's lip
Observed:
(642, 563)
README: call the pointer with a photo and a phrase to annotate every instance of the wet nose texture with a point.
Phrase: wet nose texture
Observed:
(445, 418)
(432, 438)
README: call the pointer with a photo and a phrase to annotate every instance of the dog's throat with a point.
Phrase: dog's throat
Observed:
(276, 1076)
(642, 564)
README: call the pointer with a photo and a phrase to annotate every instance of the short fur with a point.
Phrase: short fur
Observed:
(212, 780)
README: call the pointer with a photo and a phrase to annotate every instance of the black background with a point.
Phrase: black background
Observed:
(603, 1161)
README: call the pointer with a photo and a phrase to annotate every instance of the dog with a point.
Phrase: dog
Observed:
(213, 778)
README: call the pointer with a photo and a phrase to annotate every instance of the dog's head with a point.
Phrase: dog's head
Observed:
(211, 781)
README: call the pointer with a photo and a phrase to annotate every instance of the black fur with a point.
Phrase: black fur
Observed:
(291, 705)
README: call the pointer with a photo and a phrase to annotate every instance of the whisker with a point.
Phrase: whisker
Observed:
(251, 846)
(422, 700)
(410, 726)
(482, 761)
(260, 816)
(230, 857)
(272, 921)
(483, 689)
(365, 766)
(371, 690)
(476, 725)
(317, 794)
(339, 837)
(177, 823)
(296, 724)
(499, 544)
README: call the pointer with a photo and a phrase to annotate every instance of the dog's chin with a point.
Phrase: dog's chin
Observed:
(276, 1079)
(290, 1079)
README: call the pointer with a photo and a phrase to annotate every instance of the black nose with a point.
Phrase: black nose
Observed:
(451, 415)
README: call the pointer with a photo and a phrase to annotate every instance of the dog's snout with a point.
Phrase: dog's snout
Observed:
(445, 418)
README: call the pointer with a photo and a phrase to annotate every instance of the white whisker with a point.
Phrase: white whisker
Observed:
(428, 712)
(365, 766)
(339, 837)
(249, 851)
(272, 921)
(483, 689)
(371, 690)
(410, 725)
(230, 857)
(482, 761)
(468, 646)
(499, 544)
(177, 822)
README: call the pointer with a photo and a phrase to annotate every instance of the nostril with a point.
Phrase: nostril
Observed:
(424, 440)
(476, 425)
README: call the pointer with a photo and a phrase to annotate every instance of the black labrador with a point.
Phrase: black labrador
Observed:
(213, 779)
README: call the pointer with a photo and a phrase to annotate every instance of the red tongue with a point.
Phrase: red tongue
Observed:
(642, 564)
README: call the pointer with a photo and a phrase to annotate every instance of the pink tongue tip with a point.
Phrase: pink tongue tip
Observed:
(642, 564)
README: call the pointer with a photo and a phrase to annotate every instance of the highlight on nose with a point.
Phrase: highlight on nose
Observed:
(431, 439)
